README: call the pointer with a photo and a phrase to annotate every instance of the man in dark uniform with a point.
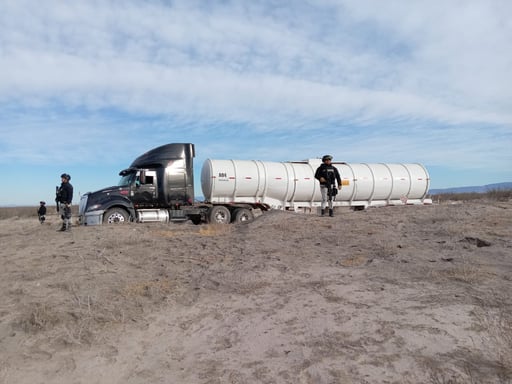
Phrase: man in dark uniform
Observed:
(64, 198)
(328, 175)
(41, 212)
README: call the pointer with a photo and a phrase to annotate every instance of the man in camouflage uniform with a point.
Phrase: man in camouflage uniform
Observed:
(63, 199)
(328, 175)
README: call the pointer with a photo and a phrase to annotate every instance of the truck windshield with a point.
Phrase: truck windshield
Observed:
(127, 179)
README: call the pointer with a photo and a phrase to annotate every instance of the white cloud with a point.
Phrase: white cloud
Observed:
(450, 53)
(394, 79)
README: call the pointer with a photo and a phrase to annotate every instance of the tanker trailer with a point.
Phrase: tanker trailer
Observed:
(292, 185)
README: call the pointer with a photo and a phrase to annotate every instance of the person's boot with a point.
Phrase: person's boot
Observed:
(322, 212)
(62, 227)
(331, 213)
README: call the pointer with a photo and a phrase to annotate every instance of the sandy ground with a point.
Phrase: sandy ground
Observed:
(415, 294)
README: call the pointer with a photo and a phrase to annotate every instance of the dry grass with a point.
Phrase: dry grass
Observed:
(38, 318)
(464, 271)
(76, 321)
(361, 288)
(215, 230)
(206, 230)
(492, 195)
(494, 320)
(354, 261)
(150, 289)
(27, 212)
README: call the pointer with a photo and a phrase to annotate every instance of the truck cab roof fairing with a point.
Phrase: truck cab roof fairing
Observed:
(163, 154)
(126, 171)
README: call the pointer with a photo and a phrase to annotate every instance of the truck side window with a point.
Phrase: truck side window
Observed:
(149, 180)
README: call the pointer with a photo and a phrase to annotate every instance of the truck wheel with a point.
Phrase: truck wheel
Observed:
(243, 215)
(115, 216)
(219, 215)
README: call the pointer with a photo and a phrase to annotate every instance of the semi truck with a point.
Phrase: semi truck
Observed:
(159, 187)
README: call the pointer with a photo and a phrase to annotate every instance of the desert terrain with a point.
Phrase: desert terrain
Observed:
(412, 294)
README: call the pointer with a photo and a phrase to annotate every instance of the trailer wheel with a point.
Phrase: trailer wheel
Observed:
(243, 215)
(219, 215)
(115, 216)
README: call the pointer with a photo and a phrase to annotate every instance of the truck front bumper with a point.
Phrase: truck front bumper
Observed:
(91, 218)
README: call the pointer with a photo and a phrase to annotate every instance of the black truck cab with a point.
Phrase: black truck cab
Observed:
(160, 179)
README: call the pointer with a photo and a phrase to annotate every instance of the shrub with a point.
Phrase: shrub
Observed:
(492, 195)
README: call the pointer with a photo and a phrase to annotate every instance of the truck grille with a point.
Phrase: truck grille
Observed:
(83, 204)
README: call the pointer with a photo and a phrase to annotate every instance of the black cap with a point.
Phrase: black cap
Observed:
(65, 176)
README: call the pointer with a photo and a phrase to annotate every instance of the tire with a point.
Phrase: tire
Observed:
(243, 215)
(115, 216)
(219, 215)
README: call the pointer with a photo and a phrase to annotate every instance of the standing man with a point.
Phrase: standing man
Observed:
(64, 198)
(328, 175)
(41, 212)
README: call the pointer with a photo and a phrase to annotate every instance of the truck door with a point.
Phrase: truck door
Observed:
(179, 187)
(146, 188)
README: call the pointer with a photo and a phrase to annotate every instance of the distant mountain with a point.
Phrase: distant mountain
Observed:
(477, 189)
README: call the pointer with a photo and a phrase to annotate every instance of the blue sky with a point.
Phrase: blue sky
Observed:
(86, 86)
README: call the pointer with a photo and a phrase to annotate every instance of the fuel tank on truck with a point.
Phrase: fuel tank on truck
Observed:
(292, 185)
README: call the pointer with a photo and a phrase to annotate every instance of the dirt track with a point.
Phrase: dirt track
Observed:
(389, 295)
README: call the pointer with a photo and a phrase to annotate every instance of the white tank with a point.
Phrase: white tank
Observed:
(292, 185)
